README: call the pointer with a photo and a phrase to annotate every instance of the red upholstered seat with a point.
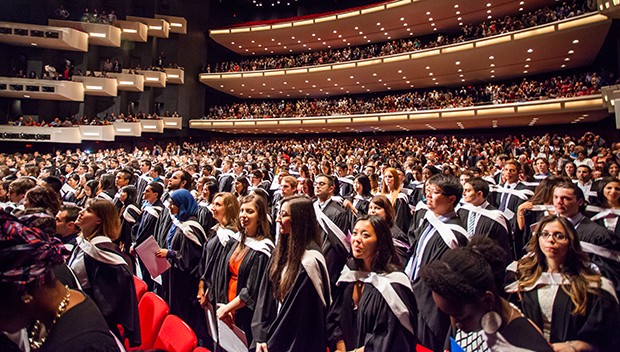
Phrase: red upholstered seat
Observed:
(201, 349)
(141, 287)
(153, 310)
(175, 336)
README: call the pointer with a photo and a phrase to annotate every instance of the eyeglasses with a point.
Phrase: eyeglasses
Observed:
(558, 236)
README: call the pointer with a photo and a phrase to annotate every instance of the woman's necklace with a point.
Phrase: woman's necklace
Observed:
(38, 335)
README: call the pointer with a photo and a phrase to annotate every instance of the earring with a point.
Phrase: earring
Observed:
(491, 322)
(26, 298)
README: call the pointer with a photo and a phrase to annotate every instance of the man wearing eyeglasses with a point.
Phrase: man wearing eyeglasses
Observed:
(601, 246)
(333, 220)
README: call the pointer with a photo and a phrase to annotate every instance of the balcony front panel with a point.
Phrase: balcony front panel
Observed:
(102, 87)
(40, 134)
(175, 75)
(97, 133)
(173, 123)
(133, 31)
(157, 27)
(177, 24)
(48, 37)
(44, 89)
(127, 129)
(128, 81)
(155, 79)
(152, 126)
(98, 33)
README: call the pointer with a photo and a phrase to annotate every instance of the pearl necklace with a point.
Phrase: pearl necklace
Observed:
(35, 339)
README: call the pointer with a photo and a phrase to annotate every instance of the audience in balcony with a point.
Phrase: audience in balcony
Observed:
(96, 17)
(429, 99)
(467, 32)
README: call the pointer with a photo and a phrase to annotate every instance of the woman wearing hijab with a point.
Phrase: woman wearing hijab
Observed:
(183, 250)
(36, 309)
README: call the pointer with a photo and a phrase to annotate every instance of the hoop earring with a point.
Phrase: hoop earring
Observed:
(490, 322)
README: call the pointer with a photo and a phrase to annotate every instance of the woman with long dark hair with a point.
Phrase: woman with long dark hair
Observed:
(573, 305)
(381, 206)
(606, 212)
(103, 271)
(239, 271)
(295, 292)
(359, 202)
(374, 307)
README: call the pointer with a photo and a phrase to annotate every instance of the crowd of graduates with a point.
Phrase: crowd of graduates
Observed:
(312, 244)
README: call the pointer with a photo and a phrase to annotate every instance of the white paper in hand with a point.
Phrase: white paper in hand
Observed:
(146, 251)
(231, 340)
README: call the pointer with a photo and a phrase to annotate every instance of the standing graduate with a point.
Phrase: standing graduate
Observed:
(391, 188)
(183, 251)
(374, 306)
(359, 201)
(382, 207)
(295, 292)
(440, 230)
(103, 272)
(574, 306)
(240, 270)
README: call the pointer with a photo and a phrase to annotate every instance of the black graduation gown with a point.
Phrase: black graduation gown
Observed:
(251, 272)
(226, 182)
(300, 323)
(522, 237)
(591, 232)
(142, 230)
(599, 326)
(205, 217)
(164, 223)
(361, 204)
(182, 281)
(401, 245)
(487, 227)
(373, 324)
(112, 288)
(335, 253)
(432, 324)
(403, 212)
(512, 202)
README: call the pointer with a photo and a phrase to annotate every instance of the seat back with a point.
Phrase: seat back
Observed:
(153, 310)
(141, 287)
(175, 336)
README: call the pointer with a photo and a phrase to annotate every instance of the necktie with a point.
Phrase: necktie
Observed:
(471, 223)
(504, 201)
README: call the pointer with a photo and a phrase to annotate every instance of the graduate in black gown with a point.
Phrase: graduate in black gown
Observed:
(574, 306)
(382, 207)
(241, 268)
(295, 293)
(374, 307)
(35, 304)
(607, 210)
(145, 228)
(103, 272)
(334, 224)
(391, 188)
(467, 285)
(441, 230)
(183, 251)
(359, 201)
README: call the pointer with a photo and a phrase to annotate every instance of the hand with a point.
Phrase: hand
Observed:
(132, 250)
(562, 347)
(261, 347)
(347, 204)
(161, 253)
(224, 315)
(523, 207)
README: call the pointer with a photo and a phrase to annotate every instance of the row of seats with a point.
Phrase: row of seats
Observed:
(159, 329)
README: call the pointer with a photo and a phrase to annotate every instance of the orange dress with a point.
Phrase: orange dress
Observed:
(233, 267)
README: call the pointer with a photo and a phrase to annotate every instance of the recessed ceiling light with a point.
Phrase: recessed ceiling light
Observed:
(571, 52)
(530, 50)
(428, 67)
(576, 41)
(525, 71)
(457, 63)
(428, 13)
(492, 65)
(528, 59)
(491, 57)
(456, 6)
(563, 66)
(567, 59)
(489, 4)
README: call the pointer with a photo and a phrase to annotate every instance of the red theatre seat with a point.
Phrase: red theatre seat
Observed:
(153, 310)
(201, 349)
(141, 287)
(175, 336)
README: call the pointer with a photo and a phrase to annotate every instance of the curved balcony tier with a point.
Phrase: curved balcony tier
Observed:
(40, 134)
(544, 112)
(570, 43)
(375, 23)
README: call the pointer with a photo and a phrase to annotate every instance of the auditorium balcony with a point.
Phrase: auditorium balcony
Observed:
(49, 37)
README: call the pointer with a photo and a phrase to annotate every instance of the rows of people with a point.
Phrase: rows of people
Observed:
(467, 32)
(72, 121)
(428, 99)
(381, 251)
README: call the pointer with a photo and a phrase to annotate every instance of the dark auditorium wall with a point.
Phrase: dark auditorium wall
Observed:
(188, 51)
